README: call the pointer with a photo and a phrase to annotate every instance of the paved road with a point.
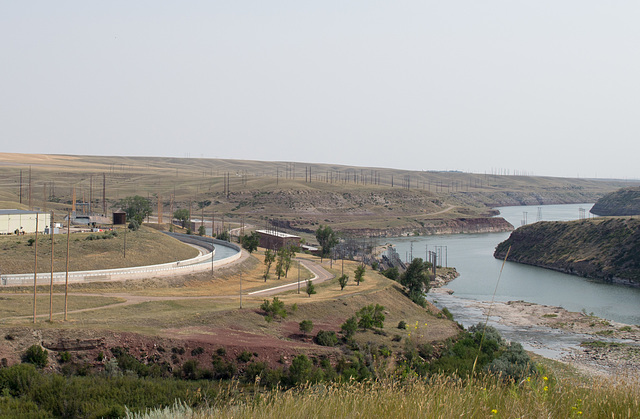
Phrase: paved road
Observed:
(320, 275)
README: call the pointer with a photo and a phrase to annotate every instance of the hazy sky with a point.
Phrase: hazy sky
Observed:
(545, 87)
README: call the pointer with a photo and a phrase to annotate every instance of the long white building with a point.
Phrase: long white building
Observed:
(22, 221)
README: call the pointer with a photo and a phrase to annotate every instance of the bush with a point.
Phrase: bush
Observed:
(274, 310)
(64, 356)
(245, 356)
(326, 338)
(37, 356)
(197, 351)
(350, 326)
(402, 325)
(514, 363)
(306, 326)
(134, 225)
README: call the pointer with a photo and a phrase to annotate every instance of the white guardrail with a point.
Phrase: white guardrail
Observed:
(196, 264)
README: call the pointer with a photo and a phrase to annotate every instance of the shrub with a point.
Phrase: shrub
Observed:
(371, 316)
(300, 370)
(134, 225)
(402, 325)
(37, 356)
(64, 356)
(350, 326)
(197, 351)
(306, 326)
(514, 363)
(274, 310)
(245, 356)
(221, 351)
(326, 338)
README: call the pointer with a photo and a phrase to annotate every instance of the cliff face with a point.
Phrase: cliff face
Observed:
(601, 248)
(439, 226)
(619, 203)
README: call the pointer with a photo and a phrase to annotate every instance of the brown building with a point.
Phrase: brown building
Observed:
(271, 239)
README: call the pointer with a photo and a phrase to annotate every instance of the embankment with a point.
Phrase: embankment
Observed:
(603, 248)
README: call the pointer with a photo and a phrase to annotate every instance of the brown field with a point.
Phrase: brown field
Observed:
(144, 247)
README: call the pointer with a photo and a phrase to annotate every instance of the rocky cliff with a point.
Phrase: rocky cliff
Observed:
(622, 202)
(600, 248)
(438, 226)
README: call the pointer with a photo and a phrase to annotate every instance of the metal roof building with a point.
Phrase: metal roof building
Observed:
(22, 221)
(271, 239)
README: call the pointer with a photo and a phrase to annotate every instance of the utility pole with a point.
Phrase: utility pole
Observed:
(35, 270)
(66, 277)
(51, 284)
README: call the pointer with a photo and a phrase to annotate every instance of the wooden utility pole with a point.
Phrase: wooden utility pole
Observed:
(104, 194)
(51, 284)
(35, 270)
(21, 186)
(159, 209)
(66, 277)
(30, 190)
(90, 193)
(44, 197)
(73, 200)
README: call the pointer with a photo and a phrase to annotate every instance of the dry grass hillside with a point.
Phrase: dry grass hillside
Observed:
(299, 194)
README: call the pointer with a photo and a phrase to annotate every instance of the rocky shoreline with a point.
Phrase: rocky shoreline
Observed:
(608, 348)
(611, 348)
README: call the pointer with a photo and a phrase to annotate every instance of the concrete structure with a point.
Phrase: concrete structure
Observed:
(12, 220)
(271, 239)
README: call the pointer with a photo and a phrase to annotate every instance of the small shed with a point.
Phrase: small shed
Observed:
(271, 239)
(119, 217)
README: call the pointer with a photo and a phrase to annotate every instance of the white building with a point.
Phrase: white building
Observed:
(12, 220)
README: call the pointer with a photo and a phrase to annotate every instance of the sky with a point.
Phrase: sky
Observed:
(549, 88)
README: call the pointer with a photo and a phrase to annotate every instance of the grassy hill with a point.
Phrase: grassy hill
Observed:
(600, 248)
(90, 251)
(625, 201)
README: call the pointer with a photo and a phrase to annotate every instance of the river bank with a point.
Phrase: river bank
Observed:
(592, 345)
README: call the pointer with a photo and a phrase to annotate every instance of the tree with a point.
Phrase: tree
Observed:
(350, 326)
(416, 279)
(224, 236)
(371, 316)
(291, 253)
(136, 207)
(281, 257)
(306, 326)
(327, 239)
(359, 274)
(343, 281)
(202, 230)
(250, 242)
(182, 215)
(310, 288)
(269, 258)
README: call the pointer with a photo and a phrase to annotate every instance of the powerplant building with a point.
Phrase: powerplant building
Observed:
(14, 221)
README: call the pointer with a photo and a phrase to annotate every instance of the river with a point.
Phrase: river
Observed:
(472, 256)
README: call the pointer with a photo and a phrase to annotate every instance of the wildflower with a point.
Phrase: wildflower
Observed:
(579, 412)
(546, 388)
(494, 411)
(528, 379)
(545, 378)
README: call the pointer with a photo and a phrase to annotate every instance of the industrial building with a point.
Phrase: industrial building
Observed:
(14, 221)
(271, 239)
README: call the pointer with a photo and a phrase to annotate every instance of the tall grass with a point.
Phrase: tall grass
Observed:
(440, 396)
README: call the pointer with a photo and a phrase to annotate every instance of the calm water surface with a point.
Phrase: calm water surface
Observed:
(472, 256)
